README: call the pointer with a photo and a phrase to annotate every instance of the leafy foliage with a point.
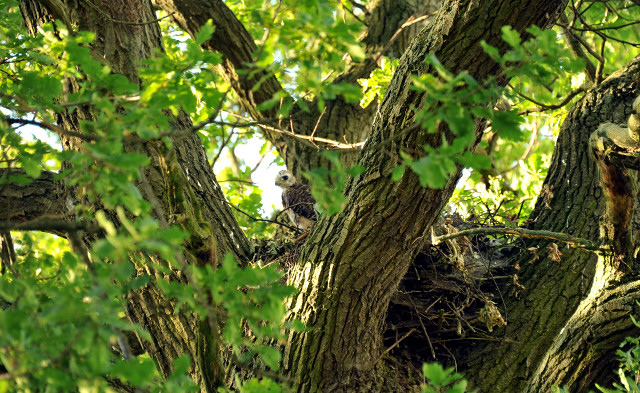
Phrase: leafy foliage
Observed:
(376, 85)
(63, 322)
(248, 296)
(77, 308)
(304, 43)
(629, 370)
(64, 328)
(441, 380)
(328, 184)
(507, 174)
(460, 101)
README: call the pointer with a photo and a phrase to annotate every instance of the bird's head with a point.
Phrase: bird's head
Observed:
(285, 179)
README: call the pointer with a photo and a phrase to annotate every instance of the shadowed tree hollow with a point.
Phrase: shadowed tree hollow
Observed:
(473, 165)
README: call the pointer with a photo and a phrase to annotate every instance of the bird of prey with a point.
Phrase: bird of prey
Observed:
(297, 200)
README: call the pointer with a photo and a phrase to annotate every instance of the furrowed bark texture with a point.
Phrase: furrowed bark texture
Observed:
(354, 261)
(385, 21)
(178, 185)
(550, 339)
(390, 27)
(584, 351)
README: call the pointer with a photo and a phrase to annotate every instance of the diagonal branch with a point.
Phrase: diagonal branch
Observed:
(385, 19)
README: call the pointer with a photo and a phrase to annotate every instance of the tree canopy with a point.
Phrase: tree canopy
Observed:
(473, 165)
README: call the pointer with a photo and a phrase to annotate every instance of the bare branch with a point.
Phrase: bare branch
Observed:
(576, 242)
(50, 226)
(52, 127)
(350, 11)
(545, 107)
(600, 68)
(236, 208)
(44, 198)
(7, 253)
(410, 21)
(310, 138)
(575, 46)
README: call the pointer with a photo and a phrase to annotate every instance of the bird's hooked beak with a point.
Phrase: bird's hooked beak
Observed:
(279, 183)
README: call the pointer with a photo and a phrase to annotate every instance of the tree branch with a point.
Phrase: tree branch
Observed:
(372, 242)
(546, 107)
(576, 242)
(342, 120)
(45, 198)
(54, 226)
(122, 22)
(576, 48)
(236, 208)
(51, 127)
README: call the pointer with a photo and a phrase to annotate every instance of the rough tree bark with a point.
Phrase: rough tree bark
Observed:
(352, 263)
(178, 185)
(345, 288)
(573, 306)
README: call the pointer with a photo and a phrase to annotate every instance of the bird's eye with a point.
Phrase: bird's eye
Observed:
(285, 177)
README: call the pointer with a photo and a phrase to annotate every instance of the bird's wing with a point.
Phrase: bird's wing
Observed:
(299, 199)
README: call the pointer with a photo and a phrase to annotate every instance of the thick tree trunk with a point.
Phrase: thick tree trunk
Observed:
(180, 184)
(352, 263)
(564, 327)
(355, 260)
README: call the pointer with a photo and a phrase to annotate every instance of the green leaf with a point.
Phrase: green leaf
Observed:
(97, 359)
(138, 372)
(357, 52)
(31, 165)
(605, 390)
(181, 364)
(356, 170)
(8, 290)
(205, 33)
(36, 84)
(435, 373)
(270, 103)
(511, 36)
(459, 120)
(20, 179)
(432, 172)
(459, 387)
(271, 357)
(187, 100)
(265, 385)
(398, 172)
(508, 124)
(492, 51)
(118, 84)
(475, 161)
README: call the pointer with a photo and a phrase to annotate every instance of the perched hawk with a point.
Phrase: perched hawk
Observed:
(297, 200)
